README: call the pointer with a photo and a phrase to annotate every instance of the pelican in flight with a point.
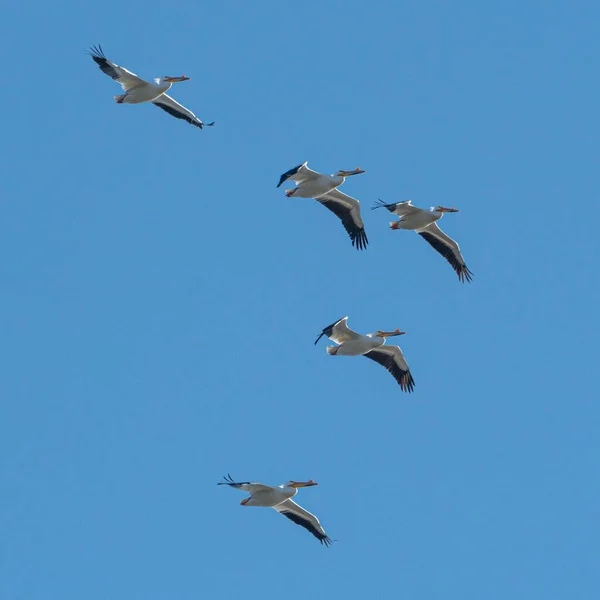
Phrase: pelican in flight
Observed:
(323, 188)
(372, 346)
(137, 90)
(424, 223)
(279, 498)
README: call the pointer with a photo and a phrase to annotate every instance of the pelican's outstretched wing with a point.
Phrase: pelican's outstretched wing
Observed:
(127, 79)
(247, 486)
(448, 248)
(178, 111)
(298, 174)
(348, 210)
(392, 359)
(338, 332)
(398, 208)
(302, 517)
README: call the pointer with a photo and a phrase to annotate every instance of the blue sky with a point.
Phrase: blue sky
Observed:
(160, 298)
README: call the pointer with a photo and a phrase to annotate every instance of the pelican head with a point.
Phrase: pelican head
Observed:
(442, 209)
(299, 484)
(342, 173)
(168, 79)
(385, 334)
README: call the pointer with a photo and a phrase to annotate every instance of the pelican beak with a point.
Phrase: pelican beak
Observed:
(356, 171)
(299, 484)
(176, 79)
(385, 334)
(442, 209)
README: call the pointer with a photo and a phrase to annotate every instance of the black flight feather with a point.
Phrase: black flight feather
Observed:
(328, 330)
(177, 114)
(357, 234)
(324, 539)
(403, 377)
(461, 270)
(289, 174)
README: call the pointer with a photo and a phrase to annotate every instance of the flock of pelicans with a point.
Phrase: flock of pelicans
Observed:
(324, 189)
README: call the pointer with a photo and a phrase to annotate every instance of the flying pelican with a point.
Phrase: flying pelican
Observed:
(137, 90)
(372, 346)
(323, 188)
(424, 223)
(279, 498)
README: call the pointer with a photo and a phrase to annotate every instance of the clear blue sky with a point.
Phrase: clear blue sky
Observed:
(160, 298)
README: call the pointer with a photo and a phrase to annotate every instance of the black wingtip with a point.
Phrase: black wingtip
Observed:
(407, 384)
(328, 330)
(360, 240)
(465, 275)
(289, 173)
(381, 204)
(96, 51)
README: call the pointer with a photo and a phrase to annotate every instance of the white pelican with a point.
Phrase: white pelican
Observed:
(424, 223)
(372, 346)
(279, 498)
(137, 90)
(323, 188)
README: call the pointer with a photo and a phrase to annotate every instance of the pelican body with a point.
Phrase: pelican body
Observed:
(361, 345)
(424, 223)
(350, 343)
(418, 220)
(323, 188)
(279, 498)
(312, 184)
(263, 495)
(151, 91)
